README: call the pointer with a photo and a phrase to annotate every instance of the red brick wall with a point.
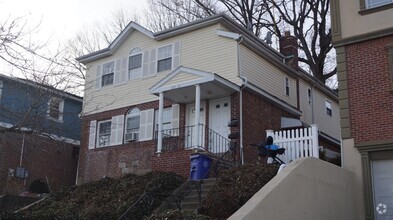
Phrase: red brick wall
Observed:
(370, 90)
(114, 161)
(42, 158)
(259, 115)
(178, 162)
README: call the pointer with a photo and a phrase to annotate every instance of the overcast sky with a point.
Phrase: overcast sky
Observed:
(60, 19)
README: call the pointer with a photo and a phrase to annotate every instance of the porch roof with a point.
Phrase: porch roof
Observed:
(179, 85)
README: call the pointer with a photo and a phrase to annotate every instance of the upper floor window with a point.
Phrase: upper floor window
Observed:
(164, 58)
(287, 86)
(376, 3)
(55, 108)
(328, 106)
(104, 133)
(108, 71)
(132, 124)
(1, 88)
(135, 64)
(309, 96)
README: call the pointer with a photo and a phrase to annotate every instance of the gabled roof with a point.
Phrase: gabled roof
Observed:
(43, 86)
(247, 38)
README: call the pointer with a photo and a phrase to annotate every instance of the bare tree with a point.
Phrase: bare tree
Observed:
(308, 19)
(164, 14)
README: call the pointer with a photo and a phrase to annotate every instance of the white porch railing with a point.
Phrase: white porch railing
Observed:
(298, 143)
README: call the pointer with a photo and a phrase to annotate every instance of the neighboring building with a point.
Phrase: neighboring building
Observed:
(208, 71)
(363, 38)
(39, 135)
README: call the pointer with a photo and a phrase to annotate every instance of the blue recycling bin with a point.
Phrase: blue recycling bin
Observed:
(200, 165)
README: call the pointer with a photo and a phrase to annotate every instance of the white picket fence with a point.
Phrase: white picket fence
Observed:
(298, 143)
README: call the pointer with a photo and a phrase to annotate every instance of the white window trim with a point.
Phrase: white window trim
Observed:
(309, 95)
(172, 54)
(102, 73)
(131, 115)
(98, 133)
(326, 107)
(156, 117)
(61, 110)
(287, 84)
(128, 62)
(370, 5)
(1, 88)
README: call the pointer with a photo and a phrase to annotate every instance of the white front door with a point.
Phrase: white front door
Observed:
(191, 139)
(219, 116)
(383, 188)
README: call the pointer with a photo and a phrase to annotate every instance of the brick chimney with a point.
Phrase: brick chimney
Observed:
(289, 48)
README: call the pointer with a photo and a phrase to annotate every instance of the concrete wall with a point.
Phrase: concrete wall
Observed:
(349, 11)
(306, 189)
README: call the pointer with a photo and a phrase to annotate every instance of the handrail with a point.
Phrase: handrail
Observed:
(182, 137)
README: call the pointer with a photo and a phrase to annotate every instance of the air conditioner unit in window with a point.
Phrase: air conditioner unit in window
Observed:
(131, 136)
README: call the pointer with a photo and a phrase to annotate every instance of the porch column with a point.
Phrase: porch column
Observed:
(160, 110)
(197, 112)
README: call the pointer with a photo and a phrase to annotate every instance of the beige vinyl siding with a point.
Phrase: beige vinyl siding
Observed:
(266, 76)
(205, 50)
(305, 106)
(327, 124)
(201, 49)
(181, 77)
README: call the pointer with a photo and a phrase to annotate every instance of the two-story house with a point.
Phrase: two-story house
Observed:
(39, 136)
(363, 38)
(150, 98)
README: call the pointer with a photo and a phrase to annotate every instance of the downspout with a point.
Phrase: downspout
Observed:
(244, 84)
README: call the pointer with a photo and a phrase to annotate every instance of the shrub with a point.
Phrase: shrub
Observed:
(235, 187)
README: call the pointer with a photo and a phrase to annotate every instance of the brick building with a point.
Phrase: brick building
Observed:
(365, 69)
(151, 99)
(39, 136)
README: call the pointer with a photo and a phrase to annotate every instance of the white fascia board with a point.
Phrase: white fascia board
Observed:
(204, 75)
(226, 82)
(182, 85)
(227, 34)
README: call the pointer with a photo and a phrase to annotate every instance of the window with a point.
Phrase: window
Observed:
(164, 58)
(287, 86)
(132, 124)
(166, 119)
(55, 108)
(1, 88)
(309, 96)
(104, 133)
(108, 71)
(376, 3)
(135, 64)
(328, 106)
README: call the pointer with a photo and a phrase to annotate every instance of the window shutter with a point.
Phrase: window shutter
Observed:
(153, 64)
(98, 77)
(123, 70)
(117, 130)
(145, 66)
(61, 110)
(175, 119)
(176, 55)
(117, 72)
(92, 134)
(146, 125)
